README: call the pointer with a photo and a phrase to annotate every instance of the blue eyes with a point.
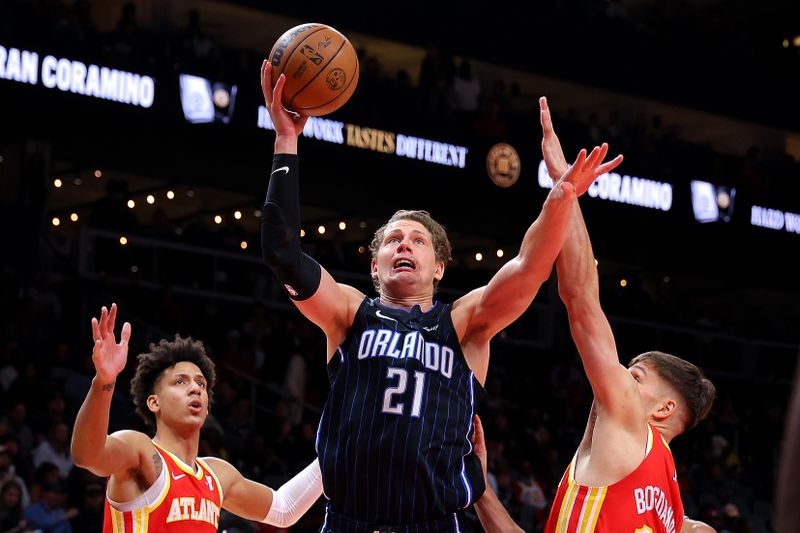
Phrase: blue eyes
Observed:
(395, 239)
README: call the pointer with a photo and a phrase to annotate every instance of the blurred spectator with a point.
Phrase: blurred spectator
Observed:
(90, 512)
(55, 449)
(50, 513)
(44, 474)
(56, 413)
(45, 299)
(8, 473)
(12, 517)
(18, 425)
(530, 498)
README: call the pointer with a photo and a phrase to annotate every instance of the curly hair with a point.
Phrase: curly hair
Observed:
(441, 244)
(162, 356)
(687, 379)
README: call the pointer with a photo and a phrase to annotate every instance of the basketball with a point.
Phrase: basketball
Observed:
(321, 68)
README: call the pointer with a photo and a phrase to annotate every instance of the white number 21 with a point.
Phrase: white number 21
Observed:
(396, 408)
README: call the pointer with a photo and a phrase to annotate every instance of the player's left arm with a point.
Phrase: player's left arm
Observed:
(695, 526)
(512, 289)
(254, 501)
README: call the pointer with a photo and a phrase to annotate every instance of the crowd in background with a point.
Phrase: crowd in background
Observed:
(272, 383)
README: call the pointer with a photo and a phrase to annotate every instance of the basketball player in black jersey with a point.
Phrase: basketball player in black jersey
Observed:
(406, 371)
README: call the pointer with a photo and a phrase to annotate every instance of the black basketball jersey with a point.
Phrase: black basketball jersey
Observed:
(394, 438)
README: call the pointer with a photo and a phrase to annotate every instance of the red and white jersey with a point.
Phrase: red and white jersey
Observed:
(647, 500)
(180, 500)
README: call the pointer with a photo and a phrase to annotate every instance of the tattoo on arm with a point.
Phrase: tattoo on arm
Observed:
(108, 387)
(157, 462)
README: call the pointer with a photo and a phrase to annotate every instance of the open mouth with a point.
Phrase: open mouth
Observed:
(196, 404)
(404, 265)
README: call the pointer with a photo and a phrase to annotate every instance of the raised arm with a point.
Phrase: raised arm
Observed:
(578, 286)
(92, 448)
(254, 501)
(311, 288)
(512, 289)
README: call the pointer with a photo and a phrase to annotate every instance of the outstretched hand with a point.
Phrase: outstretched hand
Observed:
(286, 122)
(551, 147)
(585, 170)
(479, 443)
(109, 357)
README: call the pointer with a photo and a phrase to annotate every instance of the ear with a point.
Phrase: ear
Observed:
(373, 267)
(438, 274)
(152, 403)
(666, 410)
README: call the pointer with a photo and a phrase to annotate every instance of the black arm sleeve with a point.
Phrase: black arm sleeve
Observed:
(280, 231)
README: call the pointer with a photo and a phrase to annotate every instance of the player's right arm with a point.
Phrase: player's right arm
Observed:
(578, 285)
(328, 304)
(92, 448)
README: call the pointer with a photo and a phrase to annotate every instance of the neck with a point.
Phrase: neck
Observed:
(183, 446)
(407, 302)
(667, 431)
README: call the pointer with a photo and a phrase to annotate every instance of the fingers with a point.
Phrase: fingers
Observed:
(95, 330)
(581, 159)
(478, 427)
(103, 321)
(277, 91)
(544, 116)
(112, 319)
(611, 165)
(266, 81)
(597, 155)
(125, 336)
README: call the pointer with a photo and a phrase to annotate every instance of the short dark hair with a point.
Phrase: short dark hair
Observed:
(162, 356)
(441, 244)
(687, 379)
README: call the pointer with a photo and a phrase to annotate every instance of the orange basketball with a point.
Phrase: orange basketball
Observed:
(321, 68)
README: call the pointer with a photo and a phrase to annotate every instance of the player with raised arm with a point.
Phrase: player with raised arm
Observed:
(158, 484)
(406, 370)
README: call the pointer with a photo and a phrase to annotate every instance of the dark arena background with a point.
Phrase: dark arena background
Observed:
(134, 158)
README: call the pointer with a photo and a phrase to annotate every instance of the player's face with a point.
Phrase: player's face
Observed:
(406, 257)
(648, 382)
(182, 396)
(653, 391)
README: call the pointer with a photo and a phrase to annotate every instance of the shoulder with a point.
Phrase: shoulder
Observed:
(354, 297)
(133, 438)
(225, 471)
(352, 293)
(463, 308)
(463, 312)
